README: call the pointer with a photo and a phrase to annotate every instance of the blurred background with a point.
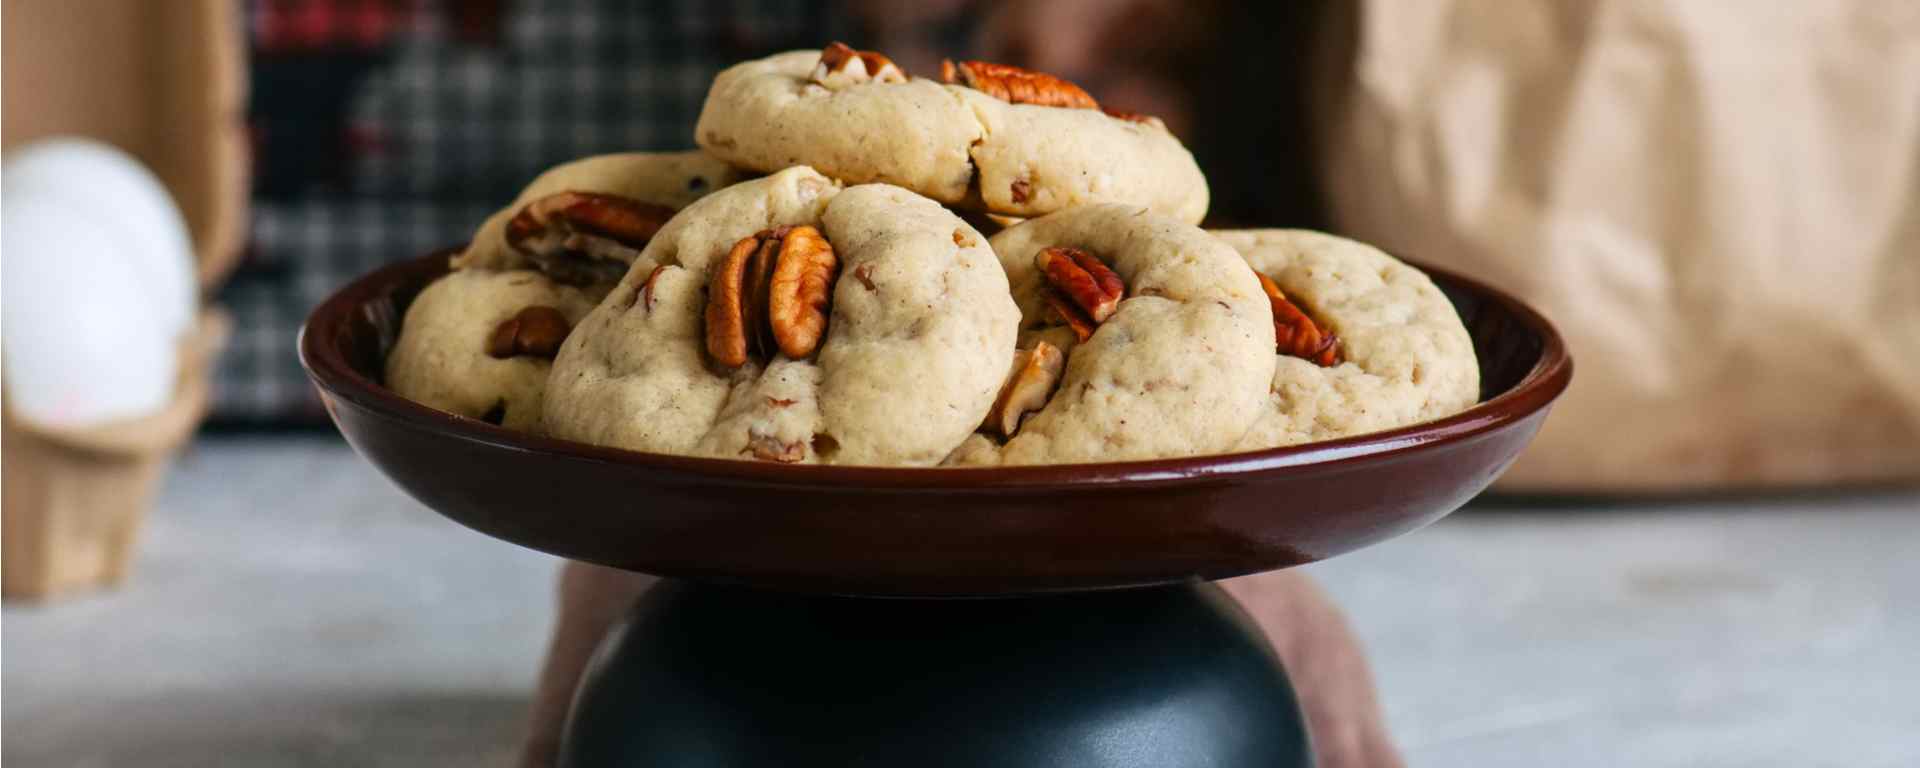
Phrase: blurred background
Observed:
(1702, 561)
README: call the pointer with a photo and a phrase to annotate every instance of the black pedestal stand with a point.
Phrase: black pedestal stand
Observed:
(1161, 677)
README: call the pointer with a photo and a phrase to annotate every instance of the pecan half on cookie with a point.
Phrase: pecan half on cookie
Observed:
(1035, 374)
(584, 237)
(1015, 85)
(1081, 289)
(1295, 333)
(770, 293)
(535, 331)
(841, 65)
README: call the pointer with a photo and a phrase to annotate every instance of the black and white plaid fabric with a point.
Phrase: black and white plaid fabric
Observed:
(387, 128)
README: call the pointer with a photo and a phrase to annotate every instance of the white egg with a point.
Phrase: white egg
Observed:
(124, 200)
(76, 321)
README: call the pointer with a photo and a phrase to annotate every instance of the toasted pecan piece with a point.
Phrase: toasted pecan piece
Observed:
(1062, 309)
(770, 293)
(802, 289)
(1015, 85)
(535, 331)
(1029, 383)
(727, 329)
(1295, 333)
(584, 237)
(1085, 279)
(841, 65)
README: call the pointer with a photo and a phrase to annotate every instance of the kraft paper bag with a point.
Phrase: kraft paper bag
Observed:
(1717, 203)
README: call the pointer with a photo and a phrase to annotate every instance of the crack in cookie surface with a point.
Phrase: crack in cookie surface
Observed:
(954, 143)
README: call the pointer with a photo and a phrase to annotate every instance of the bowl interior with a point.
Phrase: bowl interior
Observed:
(916, 531)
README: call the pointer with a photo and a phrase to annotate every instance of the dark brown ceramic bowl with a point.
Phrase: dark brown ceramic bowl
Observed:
(930, 532)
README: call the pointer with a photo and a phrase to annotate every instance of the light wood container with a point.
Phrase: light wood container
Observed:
(166, 83)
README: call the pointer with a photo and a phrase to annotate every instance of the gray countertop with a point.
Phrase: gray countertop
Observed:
(292, 608)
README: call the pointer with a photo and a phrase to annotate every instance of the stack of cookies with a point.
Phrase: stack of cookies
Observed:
(864, 267)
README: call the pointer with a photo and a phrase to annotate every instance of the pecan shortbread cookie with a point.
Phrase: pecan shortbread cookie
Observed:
(585, 221)
(479, 343)
(787, 319)
(1366, 343)
(1143, 338)
(985, 137)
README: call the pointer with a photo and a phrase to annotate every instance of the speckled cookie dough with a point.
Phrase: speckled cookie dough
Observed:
(949, 142)
(441, 358)
(767, 115)
(1407, 357)
(1179, 369)
(1035, 160)
(668, 179)
(920, 330)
